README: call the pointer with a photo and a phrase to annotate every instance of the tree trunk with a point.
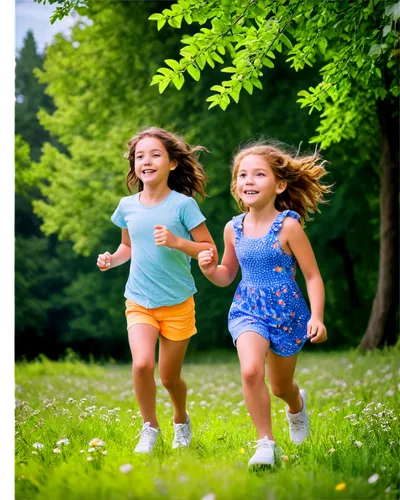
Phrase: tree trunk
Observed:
(339, 244)
(382, 325)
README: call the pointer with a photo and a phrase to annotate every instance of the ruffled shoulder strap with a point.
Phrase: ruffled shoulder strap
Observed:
(237, 222)
(277, 224)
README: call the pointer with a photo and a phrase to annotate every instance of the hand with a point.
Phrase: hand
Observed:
(164, 237)
(104, 261)
(208, 261)
(316, 331)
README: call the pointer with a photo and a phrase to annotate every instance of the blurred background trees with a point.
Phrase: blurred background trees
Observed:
(76, 108)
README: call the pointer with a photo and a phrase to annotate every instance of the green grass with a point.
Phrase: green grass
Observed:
(351, 398)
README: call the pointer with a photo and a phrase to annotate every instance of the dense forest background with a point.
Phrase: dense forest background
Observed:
(76, 107)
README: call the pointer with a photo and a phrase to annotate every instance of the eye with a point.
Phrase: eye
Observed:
(156, 154)
(242, 175)
(261, 174)
(139, 157)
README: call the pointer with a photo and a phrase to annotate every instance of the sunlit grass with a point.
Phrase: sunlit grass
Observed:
(76, 428)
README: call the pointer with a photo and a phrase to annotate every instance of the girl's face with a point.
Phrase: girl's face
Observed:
(152, 163)
(256, 182)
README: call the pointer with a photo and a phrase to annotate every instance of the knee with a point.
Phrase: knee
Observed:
(169, 382)
(252, 375)
(278, 391)
(143, 367)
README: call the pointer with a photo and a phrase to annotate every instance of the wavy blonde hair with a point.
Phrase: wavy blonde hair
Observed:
(187, 178)
(304, 190)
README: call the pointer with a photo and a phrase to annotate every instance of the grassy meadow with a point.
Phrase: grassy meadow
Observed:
(352, 452)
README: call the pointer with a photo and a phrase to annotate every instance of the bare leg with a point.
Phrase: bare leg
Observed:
(142, 341)
(280, 374)
(252, 349)
(170, 360)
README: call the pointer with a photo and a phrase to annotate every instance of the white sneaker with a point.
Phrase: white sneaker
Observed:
(299, 425)
(264, 454)
(183, 434)
(147, 440)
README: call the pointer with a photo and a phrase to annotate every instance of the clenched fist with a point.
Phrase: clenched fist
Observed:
(208, 261)
(104, 261)
(163, 237)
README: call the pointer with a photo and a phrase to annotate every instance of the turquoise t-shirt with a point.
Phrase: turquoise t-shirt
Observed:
(158, 276)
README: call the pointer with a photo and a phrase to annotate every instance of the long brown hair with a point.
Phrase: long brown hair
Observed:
(304, 190)
(187, 178)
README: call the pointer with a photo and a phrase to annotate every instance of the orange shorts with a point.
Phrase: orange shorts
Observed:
(173, 322)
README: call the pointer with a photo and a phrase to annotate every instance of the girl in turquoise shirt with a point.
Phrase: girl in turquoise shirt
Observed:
(162, 229)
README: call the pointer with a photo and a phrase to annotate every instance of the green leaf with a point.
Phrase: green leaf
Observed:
(210, 61)
(248, 86)
(229, 69)
(221, 49)
(160, 23)
(395, 91)
(188, 18)
(201, 61)
(165, 71)
(218, 88)
(256, 82)
(322, 45)
(235, 94)
(194, 72)
(192, 49)
(393, 11)
(156, 17)
(173, 64)
(283, 38)
(386, 30)
(267, 62)
(178, 81)
(217, 24)
(217, 58)
(163, 86)
(375, 51)
(215, 103)
(156, 79)
(175, 22)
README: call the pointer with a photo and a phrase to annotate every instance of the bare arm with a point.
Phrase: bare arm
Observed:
(221, 275)
(201, 235)
(297, 241)
(106, 261)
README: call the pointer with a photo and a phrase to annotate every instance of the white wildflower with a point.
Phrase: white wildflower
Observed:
(373, 479)
(63, 441)
(126, 468)
(209, 496)
(38, 446)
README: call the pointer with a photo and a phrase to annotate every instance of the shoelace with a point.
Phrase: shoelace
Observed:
(296, 425)
(181, 434)
(262, 443)
(145, 434)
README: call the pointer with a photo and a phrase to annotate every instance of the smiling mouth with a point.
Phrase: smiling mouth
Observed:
(251, 192)
(148, 171)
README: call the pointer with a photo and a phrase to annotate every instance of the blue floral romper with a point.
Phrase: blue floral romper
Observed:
(268, 300)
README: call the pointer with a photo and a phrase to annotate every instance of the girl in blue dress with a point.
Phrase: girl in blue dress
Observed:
(269, 318)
